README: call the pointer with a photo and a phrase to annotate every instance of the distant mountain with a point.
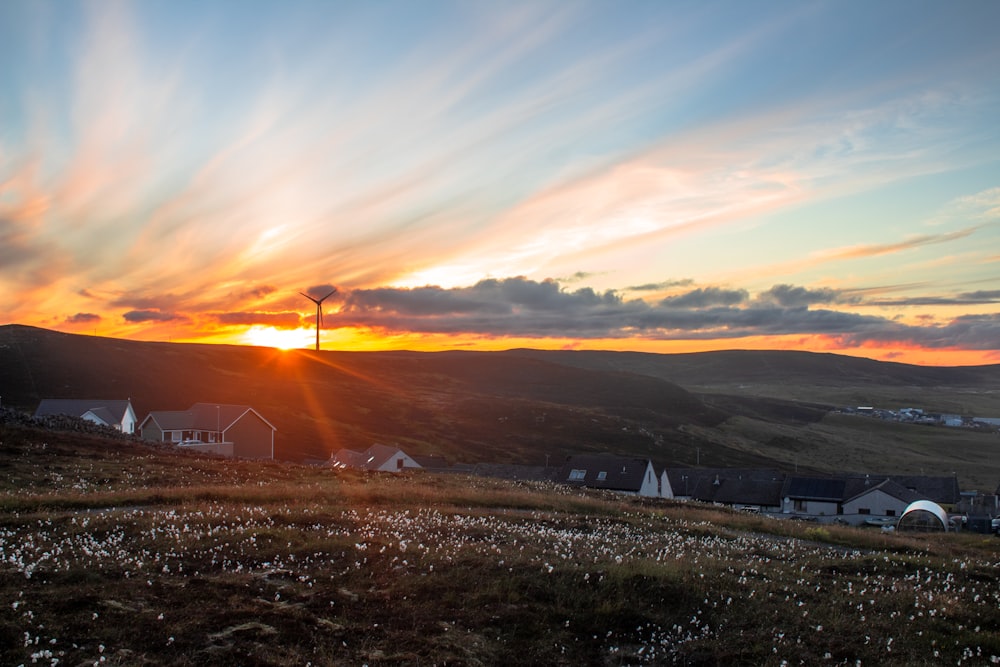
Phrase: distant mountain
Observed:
(768, 366)
(766, 409)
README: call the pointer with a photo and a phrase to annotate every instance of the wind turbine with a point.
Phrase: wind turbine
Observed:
(319, 311)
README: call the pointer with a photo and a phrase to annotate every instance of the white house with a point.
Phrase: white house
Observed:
(380, 458)
(882, 499)
(116, 414)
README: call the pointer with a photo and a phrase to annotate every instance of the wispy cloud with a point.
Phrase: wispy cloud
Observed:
(200, 173)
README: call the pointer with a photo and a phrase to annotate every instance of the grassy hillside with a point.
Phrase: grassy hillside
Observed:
(124, 554)
(828, 379)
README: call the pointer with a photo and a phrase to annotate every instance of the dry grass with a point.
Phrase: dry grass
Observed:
(210, 562)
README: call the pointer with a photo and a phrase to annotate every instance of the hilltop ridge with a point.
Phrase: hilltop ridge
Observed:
(737, 408)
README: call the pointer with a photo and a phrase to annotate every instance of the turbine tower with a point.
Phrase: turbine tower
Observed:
(319, 311)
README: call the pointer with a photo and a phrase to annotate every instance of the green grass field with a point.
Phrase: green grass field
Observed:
(116, 553)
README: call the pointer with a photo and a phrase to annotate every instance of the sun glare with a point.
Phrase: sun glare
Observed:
(283, 339)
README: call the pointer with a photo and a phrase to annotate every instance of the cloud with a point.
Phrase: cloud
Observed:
(704, 297)
(321, 291)
(520, 307)
(287, 320)
(656, 287)
(139, 316)
(875, 250)
(83, 318)
(971, 332)
(976, 298)
(258, 292)
(791, 296)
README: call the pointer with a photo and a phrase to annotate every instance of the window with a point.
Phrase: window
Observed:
(601, 476)
(800, 505)
(890, 512)
(577, 475)
(864, 510)
(175, 436)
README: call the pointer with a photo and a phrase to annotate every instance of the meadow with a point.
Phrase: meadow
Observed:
(119, 553)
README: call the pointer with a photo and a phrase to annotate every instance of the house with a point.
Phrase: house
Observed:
(229, 430)
(741, 488)
(614, 473)
(813, 496)
(381, 458)
(116, 414)
(942, 489)
(870, 499)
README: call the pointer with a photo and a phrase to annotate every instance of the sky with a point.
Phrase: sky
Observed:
(651, 176)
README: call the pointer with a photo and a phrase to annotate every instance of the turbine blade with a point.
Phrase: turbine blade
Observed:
(328, 295)
(309, 297)
(320, 306)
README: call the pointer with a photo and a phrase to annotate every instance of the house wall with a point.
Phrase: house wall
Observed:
(665, 490)
(129, 422)
(811, 507)
(151, 432)
(877, 502)
(392, 465)
(251, 437)
(650, 483)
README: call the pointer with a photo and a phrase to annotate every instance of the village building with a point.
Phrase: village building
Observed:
(380, 458)
(228, 430)
(621, 474)
(116, 414)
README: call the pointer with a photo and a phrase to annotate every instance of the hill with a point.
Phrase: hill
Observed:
(114, 552)
(524, 406)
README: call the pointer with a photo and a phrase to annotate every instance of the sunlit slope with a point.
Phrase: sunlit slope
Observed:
(466, 406)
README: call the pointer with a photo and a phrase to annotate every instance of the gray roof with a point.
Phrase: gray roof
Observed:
(886, 486)
(203, 417)
(372, 458)
(347, 458)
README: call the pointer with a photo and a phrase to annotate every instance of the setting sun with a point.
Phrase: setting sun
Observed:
(283, 339)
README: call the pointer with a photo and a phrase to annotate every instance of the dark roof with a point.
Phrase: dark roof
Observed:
(604, 471)
(684, 481)
(943, 490)
(749, 492)
(886, 486)
(830, 489)
(513, 472)
(430, 461)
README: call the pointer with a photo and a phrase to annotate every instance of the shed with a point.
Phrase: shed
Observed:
(923, 516)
